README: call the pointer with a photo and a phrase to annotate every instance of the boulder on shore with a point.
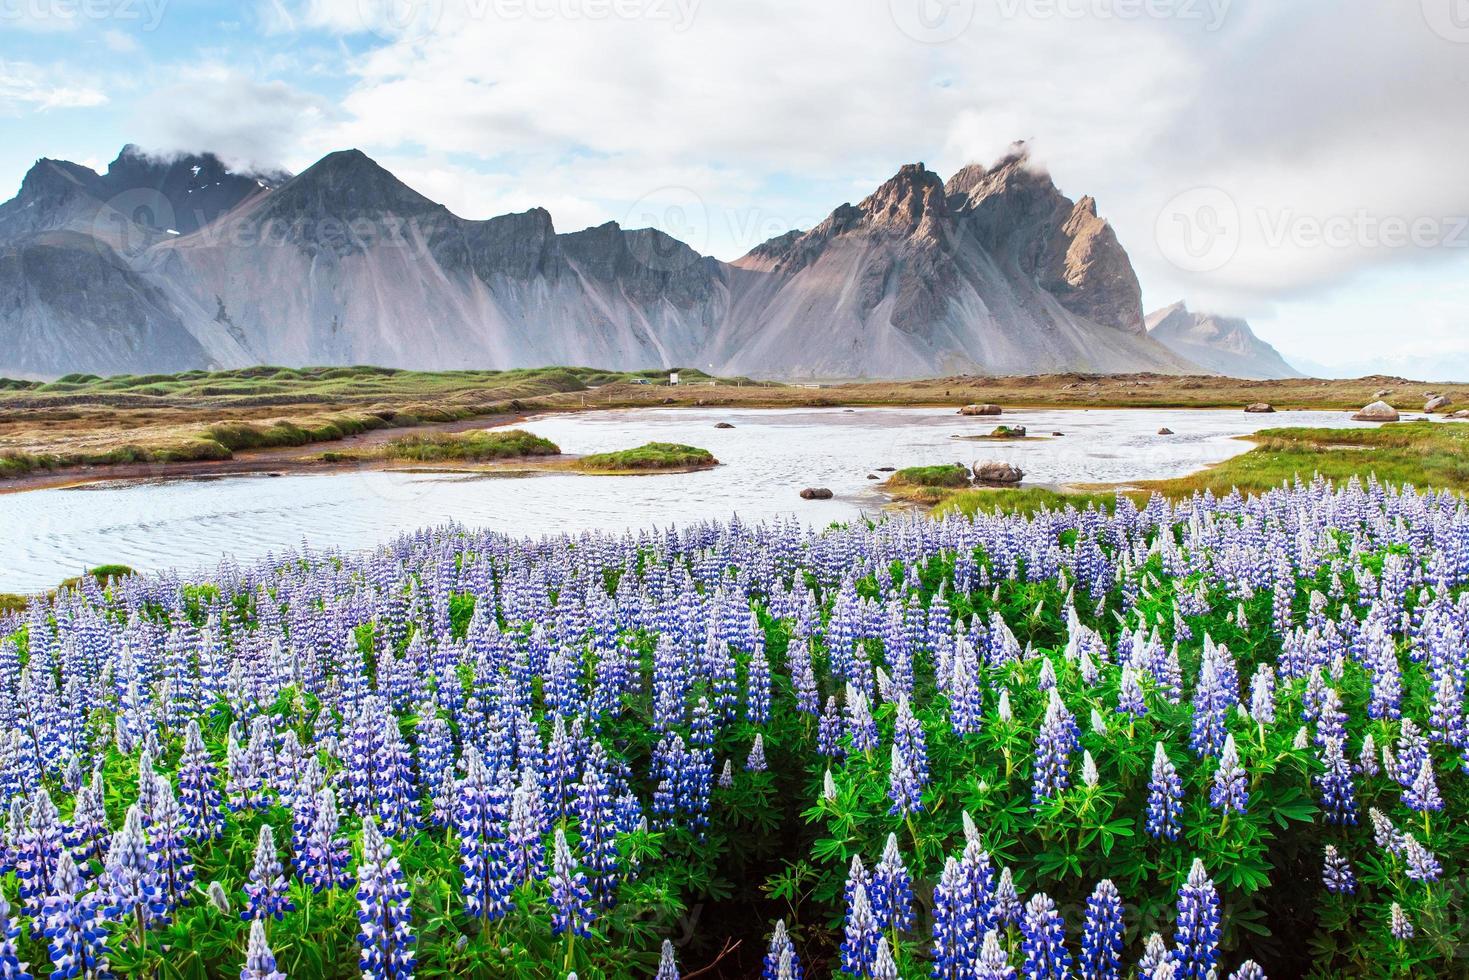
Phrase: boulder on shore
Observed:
(816, 493)
(1260, 408)
(1462, 413)
(994, 471)
(1438, 403)
(986, 409)
(1377, 412)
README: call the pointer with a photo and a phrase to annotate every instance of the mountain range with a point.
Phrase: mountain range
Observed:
(164, 264)
(1223, 345)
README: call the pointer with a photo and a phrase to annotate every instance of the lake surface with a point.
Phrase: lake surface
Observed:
(190, 524)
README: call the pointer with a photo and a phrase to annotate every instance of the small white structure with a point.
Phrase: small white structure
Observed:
(673, 377)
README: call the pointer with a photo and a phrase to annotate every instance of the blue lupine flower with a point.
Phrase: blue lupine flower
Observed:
(1197, 941)
(955, 939)
(1053, 748)
(1130, 695)
(133, 890)
(597, 822)
(994, 962)
(1422, 865)
(1248, 970)
(909, 737)
(780, 957)
(755, 761)
(72, 924)
(903, 787)
(1229, 792)
(1337, 874)
(384, 911)
(1398, 923)
(11, 967)
(259, 960)
(891, 889)
(1165, 796)
(570, 901)
(859, 944)
(199, 799)
(265, 890)
(38, 846)
(1102, 937)
(1007, 900)
(323, 859)
(667, 965)
(884, 967)
(1044, 940)
(1422, 793)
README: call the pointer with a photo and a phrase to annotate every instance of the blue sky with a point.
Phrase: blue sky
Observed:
(1299, 164)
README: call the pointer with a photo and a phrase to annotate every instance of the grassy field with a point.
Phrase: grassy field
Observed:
(210, 417)
(478, 445)
(1423, 454)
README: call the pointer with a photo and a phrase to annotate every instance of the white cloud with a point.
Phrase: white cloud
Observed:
(26, 87)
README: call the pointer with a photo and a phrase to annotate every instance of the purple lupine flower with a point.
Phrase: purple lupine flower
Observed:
(955, 939)
(1398, 923)
(1197, 940)
(780, 957)
(130, 876)
(1130, 695)
(1422, 865)
(755, 761)
(1007, 900)
(570, 901)
(859, 943)
(1211, 710)
(436, 767)
(38, 846)
(385, 914)
(480, 818)
(1337, 874)
(596, 822)
(525, 854)
(1229, 792)
(1157, 962)
(170, 847)
(259, 960)
(1044, 940)
(667, 964)
(1248, 970)
(88, 833)
(324, 857)
(11, 968)
(265, 890)
(1422, 793)
(72, 924)
(1102, 937)
(1165, 796)
(884, 967)
(1054, 745)
(994, 962)
(891, 889)
(199, 799)
(861, 728)
(1338, 799)
(903, 787)
(829, 731)
(908, 736)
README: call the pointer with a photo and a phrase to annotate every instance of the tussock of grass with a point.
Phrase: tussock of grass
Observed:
(649, 457)
(476, 446)
(946, 475)
(1026, 500)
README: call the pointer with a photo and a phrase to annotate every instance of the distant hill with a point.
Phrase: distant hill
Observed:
(1223, 345)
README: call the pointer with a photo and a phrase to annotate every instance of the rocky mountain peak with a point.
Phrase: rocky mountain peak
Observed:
(911, 203)
(1224, 344)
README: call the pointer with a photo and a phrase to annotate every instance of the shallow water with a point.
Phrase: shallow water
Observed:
(187, 524)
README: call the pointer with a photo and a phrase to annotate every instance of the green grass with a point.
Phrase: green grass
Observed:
(1424, 454)
(477, 445)
(946, 475)
(1026, 500)
(648, 457)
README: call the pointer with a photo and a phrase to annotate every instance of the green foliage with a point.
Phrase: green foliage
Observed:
(475, 445)
(947, 475)
(650, 456)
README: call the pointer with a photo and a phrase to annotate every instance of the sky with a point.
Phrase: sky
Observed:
(1301, 163)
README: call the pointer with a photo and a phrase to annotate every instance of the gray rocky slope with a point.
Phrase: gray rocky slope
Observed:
(1223, 345)
(163, 265)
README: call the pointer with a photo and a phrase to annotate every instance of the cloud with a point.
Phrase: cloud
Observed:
(248, 124)
(26, 87)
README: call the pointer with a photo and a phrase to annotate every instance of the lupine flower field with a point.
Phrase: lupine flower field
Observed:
(1213, 739)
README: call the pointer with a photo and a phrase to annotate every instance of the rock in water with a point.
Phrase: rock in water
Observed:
(1260, 408)
(1377, 412)
(985, 409)
(994, 471)
(723, 425)
(816, 493)
(1438, 403)
(1165, 431)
